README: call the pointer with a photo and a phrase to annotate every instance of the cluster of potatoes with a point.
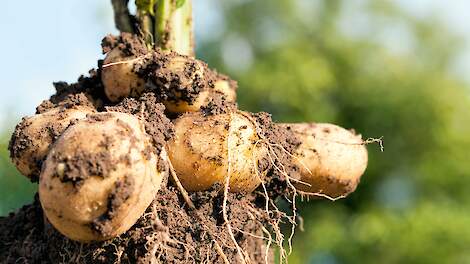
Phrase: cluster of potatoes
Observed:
(99, 171)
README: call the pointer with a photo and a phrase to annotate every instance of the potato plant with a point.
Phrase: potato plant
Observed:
(166, 156)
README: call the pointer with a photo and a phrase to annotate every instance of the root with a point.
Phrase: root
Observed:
(124, 62)
(266, 196)
(268, 246)
(188, 200)
(320, 194)
(375, 140)
(364, 142)
(178, 184)
(221, 252)
(292, 156)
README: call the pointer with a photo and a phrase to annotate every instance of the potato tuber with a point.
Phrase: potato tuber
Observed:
(33, 136)
(119, 79)
(206, 149)
(331, 159)
(100, 176)
(183, 83)
(222, 89)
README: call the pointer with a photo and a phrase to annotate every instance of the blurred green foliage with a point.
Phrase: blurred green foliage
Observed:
(16, 190)
(366, 65)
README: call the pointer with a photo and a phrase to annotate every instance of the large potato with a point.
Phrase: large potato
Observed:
(30, 142)
(335, 157)
(99, 177)
(206, 148)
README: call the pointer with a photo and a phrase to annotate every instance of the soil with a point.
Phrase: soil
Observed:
(170, 231)
(157, 125)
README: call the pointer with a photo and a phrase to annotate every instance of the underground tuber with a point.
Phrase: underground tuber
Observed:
(331, 159)
(183, 83)
(119, 80)
(100, 176)
(206, 149)
(30, 142)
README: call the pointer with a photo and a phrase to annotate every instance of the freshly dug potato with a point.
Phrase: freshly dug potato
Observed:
(184, 83)
(119, 79)
(32, 137)
(205, 148)
(100, 176)
(336, 158)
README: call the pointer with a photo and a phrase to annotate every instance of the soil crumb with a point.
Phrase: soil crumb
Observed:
(157, 125)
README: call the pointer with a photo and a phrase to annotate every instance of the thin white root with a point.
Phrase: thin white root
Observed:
(268, 246)
(123, 62)
(320, 194)
(221, 252)
(266, 196)
(180, 187)
(364, 142)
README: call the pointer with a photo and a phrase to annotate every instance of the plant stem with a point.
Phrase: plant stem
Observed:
(122, 16)
(174, 26)
(167, 24)
(146, 25)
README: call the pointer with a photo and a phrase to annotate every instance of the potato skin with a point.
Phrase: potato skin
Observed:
(99, 177)
(222, 89)
(336, 157)
(203, 147)
(119, 80)
(30, 142)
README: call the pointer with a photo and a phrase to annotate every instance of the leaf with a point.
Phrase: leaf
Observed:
(180, 3)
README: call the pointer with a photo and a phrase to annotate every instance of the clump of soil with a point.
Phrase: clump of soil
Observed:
(88, 91)
(157, 125)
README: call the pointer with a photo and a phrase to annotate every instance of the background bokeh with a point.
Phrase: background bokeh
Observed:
(397, 69)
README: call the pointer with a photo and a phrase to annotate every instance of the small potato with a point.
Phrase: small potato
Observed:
(189, 84)
(184, 83)
(119, 79)
(30, 142)
(206, 148)
(336, 158)
(100, 176)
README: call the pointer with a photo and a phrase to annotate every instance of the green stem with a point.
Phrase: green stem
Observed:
(167, 24)
(146, 25)
(174, 26)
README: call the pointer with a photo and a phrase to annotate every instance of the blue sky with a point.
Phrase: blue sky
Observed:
(46, 41)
